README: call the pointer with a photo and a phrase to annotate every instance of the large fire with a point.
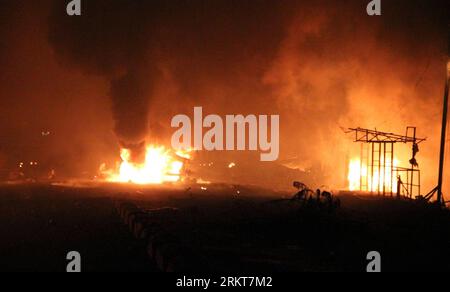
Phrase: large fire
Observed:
(160, 166)
(361, 178)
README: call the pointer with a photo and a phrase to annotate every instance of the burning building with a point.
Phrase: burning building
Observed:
(378, 170)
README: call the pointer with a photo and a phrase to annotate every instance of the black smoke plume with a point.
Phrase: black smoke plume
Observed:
(111, 40)
(128, 41)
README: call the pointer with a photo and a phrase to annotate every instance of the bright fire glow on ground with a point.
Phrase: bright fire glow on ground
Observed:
(160, 166)
(358, 173)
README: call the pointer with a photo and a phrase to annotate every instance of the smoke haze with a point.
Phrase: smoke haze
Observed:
(119, 73)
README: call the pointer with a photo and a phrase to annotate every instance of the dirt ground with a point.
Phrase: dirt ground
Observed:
(232, 228)
(39, 225)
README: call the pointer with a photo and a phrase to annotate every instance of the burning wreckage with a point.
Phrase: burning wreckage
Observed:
(160, 165)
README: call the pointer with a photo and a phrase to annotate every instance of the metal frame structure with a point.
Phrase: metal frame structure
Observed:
(377, 154)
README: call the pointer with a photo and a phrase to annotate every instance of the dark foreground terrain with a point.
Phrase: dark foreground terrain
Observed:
(226, 228)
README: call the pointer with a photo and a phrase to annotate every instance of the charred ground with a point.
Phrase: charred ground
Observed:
(249, 232)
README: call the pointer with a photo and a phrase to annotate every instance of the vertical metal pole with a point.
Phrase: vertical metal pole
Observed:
(361, 168)
(367, 168)
(412, 166)
(419, 184)
(384, 169)
(392, 169)
(443, 137)
(407, 182)
(379, 168)
(372, 166)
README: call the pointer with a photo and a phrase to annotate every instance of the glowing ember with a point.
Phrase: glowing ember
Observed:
(159, 167)
(203, 182)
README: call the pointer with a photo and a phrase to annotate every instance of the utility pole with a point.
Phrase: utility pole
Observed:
(440, 196)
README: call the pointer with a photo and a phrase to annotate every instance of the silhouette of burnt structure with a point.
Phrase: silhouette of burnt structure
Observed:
(378, 172)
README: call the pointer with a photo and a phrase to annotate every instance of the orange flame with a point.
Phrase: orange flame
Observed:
(160, 166)
(359, 172)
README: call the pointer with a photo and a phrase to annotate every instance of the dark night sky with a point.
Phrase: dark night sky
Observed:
(123, 69)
